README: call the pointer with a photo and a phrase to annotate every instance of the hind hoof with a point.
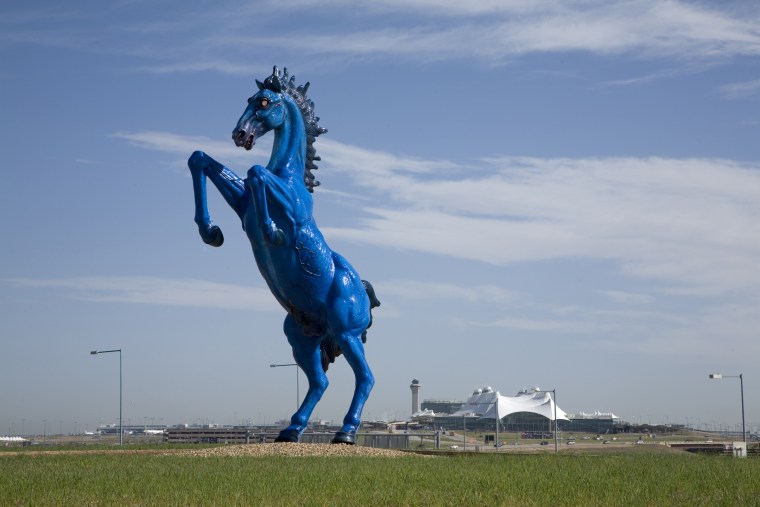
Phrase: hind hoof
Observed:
(287, 436)
(342, 437)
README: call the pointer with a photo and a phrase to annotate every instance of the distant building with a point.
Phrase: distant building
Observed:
(594, 422)
(528, 411)
(485, 406)
(442, 407)
(415, 387)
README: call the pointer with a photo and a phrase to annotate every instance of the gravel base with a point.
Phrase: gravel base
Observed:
(294, 449)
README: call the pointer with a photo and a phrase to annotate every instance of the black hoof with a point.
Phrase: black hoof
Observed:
(342, 437)
(287, 436)
(213, 236)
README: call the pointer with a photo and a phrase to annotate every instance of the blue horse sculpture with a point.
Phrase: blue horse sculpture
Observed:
(328, 306)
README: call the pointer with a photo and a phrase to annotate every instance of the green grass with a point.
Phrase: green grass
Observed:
(100, 447)
(472, 480)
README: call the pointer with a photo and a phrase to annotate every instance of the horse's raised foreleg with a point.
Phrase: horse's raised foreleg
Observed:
(229, 184)
(308, 356)
(257, 182)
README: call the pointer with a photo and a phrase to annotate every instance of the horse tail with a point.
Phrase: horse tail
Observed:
(330, 350)
(373, 303)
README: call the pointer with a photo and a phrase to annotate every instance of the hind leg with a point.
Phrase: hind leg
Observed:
(308, 356)
(348, 318)
(353, 349)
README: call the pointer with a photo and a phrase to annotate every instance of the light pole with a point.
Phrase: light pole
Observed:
(554, 400)
(121, 427)
(298, 393)
(741, 387)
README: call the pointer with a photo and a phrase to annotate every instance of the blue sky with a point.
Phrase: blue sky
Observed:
(561, 194)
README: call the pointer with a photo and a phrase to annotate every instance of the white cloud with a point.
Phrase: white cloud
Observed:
(737, 90)
(720, 333)
(691, 223)
(419, 30)
(216, 65)
(628, 298)
(157, 291)
(183, 146)
(478, 294)
(495, 31)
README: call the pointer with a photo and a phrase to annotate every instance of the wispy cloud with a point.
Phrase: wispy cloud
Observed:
(156, 291)
(214, 65)
(478, 294)
(418, 30)
(628, 297)
(643, 29)
(686, 222)
(743, 89)
(183, 146)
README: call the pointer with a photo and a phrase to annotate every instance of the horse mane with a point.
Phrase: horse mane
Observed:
(282, 83)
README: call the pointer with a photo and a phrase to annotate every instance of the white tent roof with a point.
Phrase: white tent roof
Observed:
(12, 439)
(489, 404)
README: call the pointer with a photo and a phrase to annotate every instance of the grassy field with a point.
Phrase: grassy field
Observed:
(609, 479)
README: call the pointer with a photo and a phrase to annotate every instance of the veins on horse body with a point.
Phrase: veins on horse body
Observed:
(307, 258)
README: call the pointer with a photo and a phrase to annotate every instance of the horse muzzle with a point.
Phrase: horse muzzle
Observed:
(245, 137)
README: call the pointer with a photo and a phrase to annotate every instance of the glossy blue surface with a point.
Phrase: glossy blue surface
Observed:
(328, 305)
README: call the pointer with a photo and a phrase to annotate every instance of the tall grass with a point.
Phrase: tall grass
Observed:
(472, 480)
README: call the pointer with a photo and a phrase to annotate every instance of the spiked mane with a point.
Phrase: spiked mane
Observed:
(282, 83)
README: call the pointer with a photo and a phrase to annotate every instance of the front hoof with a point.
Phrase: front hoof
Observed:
(342, 437)
(213, 236)
(287, 436)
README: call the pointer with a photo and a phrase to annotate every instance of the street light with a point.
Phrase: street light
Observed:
(554, 399)
(298, 394)
(718, 376)
(121, 427)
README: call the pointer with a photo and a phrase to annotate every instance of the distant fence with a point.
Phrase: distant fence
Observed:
(207, 436)
(246, 436)
(724, 448)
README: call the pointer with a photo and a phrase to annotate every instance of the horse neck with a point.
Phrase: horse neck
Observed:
(289, 147)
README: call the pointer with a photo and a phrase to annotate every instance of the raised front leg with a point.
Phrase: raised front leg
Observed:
(229, 184)
(257, 182)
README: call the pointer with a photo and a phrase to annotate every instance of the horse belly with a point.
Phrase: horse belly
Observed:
(298, 274)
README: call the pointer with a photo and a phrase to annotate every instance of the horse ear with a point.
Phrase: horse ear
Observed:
(260, 84)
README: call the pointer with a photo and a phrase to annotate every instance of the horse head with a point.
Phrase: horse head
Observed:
(266, 110)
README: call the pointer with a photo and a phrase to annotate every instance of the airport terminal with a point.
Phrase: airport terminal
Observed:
(530, 410)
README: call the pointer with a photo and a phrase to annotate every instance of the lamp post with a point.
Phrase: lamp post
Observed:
(121, 427)
(554, 400)
(741, 387)
(298, 393)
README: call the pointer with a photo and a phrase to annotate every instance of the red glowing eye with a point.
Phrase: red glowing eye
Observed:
(264, 103)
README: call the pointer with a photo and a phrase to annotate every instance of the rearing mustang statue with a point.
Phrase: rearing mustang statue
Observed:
(328, 304)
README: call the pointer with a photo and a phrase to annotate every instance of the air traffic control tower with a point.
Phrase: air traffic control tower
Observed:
(415, 387)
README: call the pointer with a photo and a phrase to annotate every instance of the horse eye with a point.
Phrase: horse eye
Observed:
(264, 103)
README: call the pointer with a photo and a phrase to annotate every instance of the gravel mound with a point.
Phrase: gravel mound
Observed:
(294, 449)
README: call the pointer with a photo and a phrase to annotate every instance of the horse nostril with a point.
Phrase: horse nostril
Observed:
(240, 135)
